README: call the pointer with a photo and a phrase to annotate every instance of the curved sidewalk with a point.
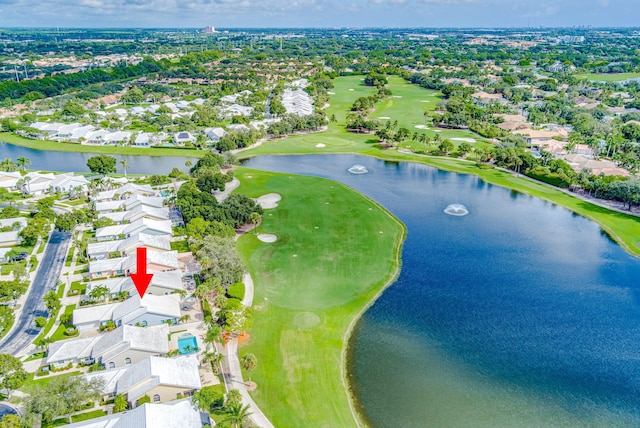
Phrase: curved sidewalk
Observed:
(233, 373)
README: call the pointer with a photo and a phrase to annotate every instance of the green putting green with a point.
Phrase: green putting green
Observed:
(336, 250)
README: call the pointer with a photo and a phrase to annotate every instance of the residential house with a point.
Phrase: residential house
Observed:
(80, 133)
(143, 225)
(10, 231)
(117, 137)
(121, 347)
(138, 212)
(131, 202)
(483, 99)
(162, 283)
(69, 182)
(36, 183)
(160, 261)
(580, 162)
(214, 134)
(124, 247)
(181, 138)
(126, 191)
(297, 101)
(9, 180)
(162, 379)
(180, 413)
(150, 311)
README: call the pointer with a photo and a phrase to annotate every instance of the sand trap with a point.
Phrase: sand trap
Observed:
(437, 130)
(384, 117)
(269, 200)
(422, 127)
(425, 101)
(320, 145)
(267, 237)
(351, 89)
(466, 140)
(331, 93)
(397, 96)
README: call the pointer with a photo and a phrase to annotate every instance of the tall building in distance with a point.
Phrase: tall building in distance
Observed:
(209, 29)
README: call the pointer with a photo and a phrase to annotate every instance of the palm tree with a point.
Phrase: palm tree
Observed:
(255, 220)
(202, 290)
(124, 165)
(212, 336)
(23, 162)
(249, 363)
(8, 165)
(184, 318)
(99, 293)
(236, 414)
(213, 358)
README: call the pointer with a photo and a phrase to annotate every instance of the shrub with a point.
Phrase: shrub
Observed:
(40, 322)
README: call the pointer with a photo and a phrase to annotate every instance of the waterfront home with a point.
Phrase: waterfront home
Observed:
(121, 347)
(140, 211)
(36, 183)
(181, 414)
(130, 203)
(150, 311)
(162, 379)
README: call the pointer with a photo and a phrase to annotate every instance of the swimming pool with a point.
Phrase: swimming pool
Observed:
(6, 409)
(188, 345)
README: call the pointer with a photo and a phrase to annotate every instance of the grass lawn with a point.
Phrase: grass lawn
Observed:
(310, 286)
(81, 288)
(79, 417)
(113, 150)
(608, 77)
(69, 259)
(59, 333)
(180, 246)
(30, 383)
(36, 356)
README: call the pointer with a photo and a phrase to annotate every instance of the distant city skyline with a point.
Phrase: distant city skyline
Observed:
(317, 13)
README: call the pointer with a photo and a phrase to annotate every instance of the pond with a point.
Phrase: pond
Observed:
(518, 313)
(77, 162)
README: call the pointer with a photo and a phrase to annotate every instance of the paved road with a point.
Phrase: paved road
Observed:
(24, 331)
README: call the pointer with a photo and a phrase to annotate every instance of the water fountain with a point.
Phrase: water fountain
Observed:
(456, 210)
(358, 169)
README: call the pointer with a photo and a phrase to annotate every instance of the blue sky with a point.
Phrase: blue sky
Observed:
(317, 13)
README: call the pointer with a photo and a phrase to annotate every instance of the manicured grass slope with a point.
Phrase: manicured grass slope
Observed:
(608, 77)
(114, 150)
(310, 285)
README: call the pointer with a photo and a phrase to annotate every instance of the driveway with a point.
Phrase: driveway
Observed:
(24, 330)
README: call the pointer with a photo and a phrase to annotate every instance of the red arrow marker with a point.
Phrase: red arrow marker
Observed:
(141, 279)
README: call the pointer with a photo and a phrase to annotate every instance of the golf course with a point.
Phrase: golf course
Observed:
(335, 251)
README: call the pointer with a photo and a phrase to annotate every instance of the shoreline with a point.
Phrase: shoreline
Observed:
(432, 161)
(358, 417)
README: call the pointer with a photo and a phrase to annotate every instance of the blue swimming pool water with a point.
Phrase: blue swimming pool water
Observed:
(187, 345)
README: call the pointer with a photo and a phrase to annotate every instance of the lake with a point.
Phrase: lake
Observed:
(519, 313)
(77, 162)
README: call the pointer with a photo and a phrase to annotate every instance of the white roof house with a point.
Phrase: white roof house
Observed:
(214, 134)
(135, 213)
(181, 414)
(297, 101)
(130, 203)
(150, 311)
(12, 237)
(151, 375)
(9, 180)
(156, 260)
(36, 183)
(96, 137)
(102, 250)
(129, 188)
(161, 283)
(67, 182)
(143, 225)
(117, 137)
(107, 347)
(81, 132)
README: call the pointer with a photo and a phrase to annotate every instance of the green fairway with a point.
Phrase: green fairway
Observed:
(408, 110)
(608, 77)
(17, 140)
(335, 252)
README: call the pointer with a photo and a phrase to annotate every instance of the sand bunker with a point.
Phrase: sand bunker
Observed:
(425, 101)
(422, 127)
(437, 130)
(466, 140)
(331, 93)
(267, 237)
(269, 200)
(351, 89)
(397, 96)
(320, 145)
(384, 117)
